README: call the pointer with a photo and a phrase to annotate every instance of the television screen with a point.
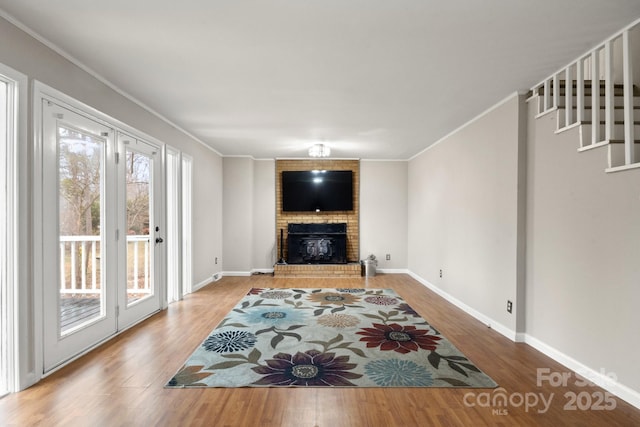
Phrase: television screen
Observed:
(317, 190)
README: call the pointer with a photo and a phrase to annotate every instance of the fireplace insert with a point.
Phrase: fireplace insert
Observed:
(317, 243)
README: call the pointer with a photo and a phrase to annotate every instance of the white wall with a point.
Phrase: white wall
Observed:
(463, 217)
(237, 206)
(264, 215)
(583, 253)
(206, 232)
(383, 212)
(249, 215)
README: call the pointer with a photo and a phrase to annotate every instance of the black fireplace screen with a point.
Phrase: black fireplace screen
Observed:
(317, 243)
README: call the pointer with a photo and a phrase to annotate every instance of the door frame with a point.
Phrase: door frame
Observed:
(174, 232)
(41, 92)
(179, 189)
(17, 226)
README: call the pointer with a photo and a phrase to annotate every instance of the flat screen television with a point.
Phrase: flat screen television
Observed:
(317, 190)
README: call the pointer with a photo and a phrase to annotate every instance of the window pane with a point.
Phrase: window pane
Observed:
(187, 182)
(139, 279)
(80, 174)
(173, 226)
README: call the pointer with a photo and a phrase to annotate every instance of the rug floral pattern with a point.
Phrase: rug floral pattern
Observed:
(326, 337)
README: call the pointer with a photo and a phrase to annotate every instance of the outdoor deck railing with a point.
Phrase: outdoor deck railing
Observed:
(80, 267)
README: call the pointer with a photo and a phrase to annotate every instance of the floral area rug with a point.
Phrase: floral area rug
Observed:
(326, 337)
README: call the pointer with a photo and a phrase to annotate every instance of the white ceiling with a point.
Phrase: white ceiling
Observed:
(373, 79)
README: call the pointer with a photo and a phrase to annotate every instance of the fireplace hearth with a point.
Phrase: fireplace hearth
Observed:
(317, 243)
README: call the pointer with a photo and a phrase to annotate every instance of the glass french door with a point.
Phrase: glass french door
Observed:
(79, 233)
(99, 208)
(140, 248)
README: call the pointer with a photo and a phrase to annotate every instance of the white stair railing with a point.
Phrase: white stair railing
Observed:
(585, 94)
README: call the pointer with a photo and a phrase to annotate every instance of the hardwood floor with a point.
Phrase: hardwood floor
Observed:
(121, 383)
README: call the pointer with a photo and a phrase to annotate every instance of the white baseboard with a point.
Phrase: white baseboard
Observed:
(600, 379)
(236, 273)
(520, 337)
(491, 323)
(393, 270)
(270, 271)
(213, 278)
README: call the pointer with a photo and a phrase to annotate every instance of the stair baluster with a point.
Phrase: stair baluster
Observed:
(595, 100)
(614, 119)
(629, 146)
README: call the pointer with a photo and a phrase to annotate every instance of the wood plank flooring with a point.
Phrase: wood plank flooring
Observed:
(121, 383)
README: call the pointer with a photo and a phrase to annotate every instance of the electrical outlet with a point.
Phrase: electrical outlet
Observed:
(388, 257)
(509, 306)
(440, 273)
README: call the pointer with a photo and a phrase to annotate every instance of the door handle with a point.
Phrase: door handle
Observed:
(159, 240)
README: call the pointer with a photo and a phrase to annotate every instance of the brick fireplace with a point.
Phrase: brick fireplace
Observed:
(316, 251)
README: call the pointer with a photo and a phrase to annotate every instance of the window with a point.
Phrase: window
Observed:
(187, 179)
(10, 83)
(178, 224)
(174, 235)
(4, 285)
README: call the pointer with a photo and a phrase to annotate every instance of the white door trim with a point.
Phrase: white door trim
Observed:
(15, 267)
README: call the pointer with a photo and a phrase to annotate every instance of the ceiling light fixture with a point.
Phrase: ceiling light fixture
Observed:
(319, 150)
